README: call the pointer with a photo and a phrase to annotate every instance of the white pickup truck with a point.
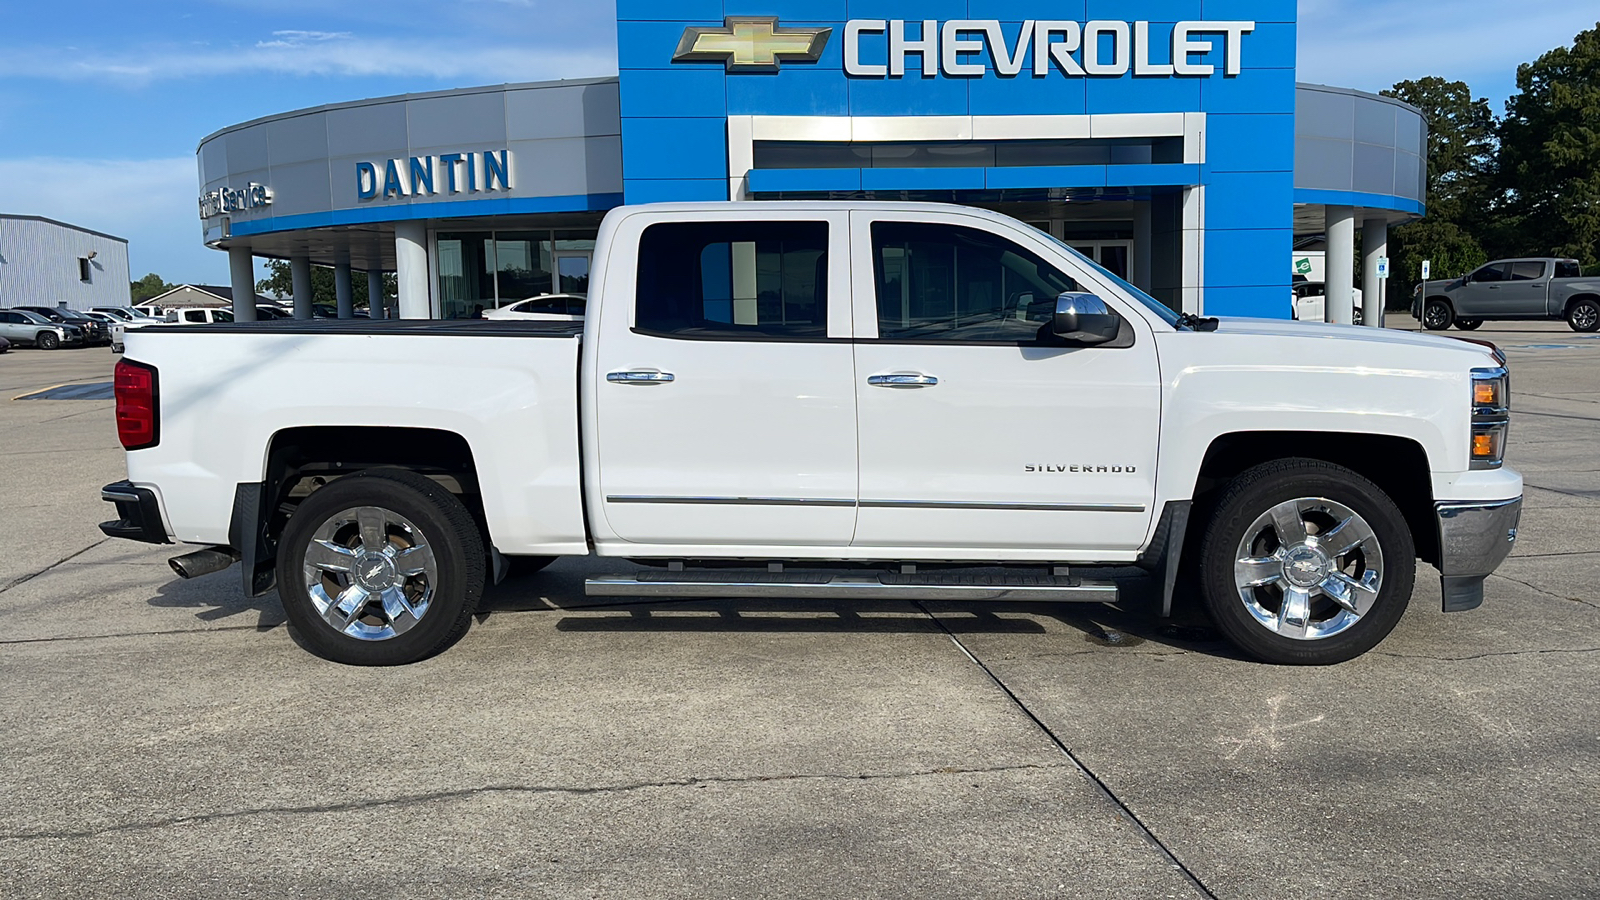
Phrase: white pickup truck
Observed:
(824, 400)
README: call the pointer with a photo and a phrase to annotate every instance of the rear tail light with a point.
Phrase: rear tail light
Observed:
(138, 405)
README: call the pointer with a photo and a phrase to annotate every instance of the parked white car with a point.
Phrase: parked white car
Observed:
(202, 315)
(1310, 302)
(834, 401)
(543, 308)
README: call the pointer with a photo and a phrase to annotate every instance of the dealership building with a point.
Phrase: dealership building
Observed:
(1166, 139)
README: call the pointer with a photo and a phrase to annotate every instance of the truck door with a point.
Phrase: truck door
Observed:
(723, 382)
(1524, 291)
(1482, 295)
(977, 434)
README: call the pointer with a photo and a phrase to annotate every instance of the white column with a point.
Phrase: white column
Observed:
(1374, 246)
(1192, 294)
(300, 277)
(1341, 264)
(375, 293)
(411, 269)
(341, 289)
(242, 276)
(1139, 271)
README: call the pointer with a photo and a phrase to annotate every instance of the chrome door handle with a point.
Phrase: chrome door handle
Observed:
(639, 377)
(907, 381)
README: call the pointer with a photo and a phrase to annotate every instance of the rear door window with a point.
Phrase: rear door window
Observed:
(1568, 268)
(1527, 270)
(733, 280)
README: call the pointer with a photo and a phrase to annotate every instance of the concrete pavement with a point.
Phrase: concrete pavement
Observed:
(165, 738)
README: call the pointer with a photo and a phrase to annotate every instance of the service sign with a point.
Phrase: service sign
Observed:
(225, 200)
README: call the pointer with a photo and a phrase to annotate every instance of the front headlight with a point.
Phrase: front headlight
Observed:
(1491, 416)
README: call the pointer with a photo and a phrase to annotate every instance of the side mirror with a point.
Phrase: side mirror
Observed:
(1084, 319)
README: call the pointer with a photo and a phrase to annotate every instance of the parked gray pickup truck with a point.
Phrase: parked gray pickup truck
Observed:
(1511, 289)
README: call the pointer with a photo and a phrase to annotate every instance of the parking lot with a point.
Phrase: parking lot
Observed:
(166, 738)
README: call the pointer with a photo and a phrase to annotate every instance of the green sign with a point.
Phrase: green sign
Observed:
(1302, 267)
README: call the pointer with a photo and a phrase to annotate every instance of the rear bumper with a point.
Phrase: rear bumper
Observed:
(138, 514)
(1475, 537)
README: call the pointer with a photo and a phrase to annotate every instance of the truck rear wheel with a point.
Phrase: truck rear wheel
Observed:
(1584, 316)
(1437, 315)
(381, 568)
(1306, 563)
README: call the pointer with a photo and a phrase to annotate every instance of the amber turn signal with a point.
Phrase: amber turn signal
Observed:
(1486, 393)
(1483, 446)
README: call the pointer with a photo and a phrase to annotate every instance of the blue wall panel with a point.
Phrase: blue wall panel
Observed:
(675, 148)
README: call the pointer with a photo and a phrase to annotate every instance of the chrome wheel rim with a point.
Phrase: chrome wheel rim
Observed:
(1584, 316)
(1434, 315)
(370, 573)
(1308, 569)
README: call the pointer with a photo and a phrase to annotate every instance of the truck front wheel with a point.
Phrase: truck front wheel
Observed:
(1584, 315)
(1437, 315)
(1306, 563)
(380, 568)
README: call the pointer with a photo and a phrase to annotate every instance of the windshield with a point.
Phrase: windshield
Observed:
(221, 315)
(31, 316)
(116, 313)
(1156, 306)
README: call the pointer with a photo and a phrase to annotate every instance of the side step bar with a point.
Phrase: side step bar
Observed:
(798, 585)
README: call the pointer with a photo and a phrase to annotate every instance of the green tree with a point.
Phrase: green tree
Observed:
(1461, 157)
(280, 283)
(147, 287)
(1549, 157)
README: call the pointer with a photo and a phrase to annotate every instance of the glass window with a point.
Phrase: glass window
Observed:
(522, 263)
(1491, 273)
(221, 315)
(1568, 268)
(750, 280)
(466, 274)
(1527, 270)
(949, 283)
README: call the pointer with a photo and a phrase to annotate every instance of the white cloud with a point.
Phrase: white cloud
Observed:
(318, 53)
(151, 202)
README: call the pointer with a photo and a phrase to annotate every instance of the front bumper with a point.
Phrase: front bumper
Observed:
(138, 514)
(1475, 537)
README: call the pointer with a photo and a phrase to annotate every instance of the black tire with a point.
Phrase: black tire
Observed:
(1584, 315)
(1238, 509)
(523, 566)
(47, 340)
(1355, 318)
(1468, 324)
(1437, 315)
(445, 526)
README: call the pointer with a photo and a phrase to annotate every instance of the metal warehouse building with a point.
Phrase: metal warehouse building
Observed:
(1166, 139)
(48, 263)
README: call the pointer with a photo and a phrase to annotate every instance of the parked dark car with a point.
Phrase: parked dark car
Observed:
(94, 332)
(4, 345)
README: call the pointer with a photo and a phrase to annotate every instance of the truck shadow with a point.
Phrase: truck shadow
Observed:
(219, 598)
(1132, 621)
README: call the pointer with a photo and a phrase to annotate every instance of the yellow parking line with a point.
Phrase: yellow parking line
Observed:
(53, 387)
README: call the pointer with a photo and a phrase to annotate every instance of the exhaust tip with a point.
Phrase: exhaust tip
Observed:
(203, 562)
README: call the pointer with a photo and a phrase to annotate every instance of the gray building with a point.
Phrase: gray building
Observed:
(48, 263)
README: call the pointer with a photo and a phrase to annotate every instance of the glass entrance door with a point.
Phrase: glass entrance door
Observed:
(1114, 255)
(572, 272)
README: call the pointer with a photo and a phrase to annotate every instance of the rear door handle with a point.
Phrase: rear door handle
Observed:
(639, 377)
(902, 381)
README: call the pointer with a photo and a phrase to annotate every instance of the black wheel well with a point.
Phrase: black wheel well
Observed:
(1576, 298)
(301, 460)
(1397, 465)
(1441, 298)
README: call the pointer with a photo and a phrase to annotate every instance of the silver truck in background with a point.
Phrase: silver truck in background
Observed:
(1543, 288)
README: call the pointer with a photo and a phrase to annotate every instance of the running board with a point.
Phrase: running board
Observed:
(823, 585)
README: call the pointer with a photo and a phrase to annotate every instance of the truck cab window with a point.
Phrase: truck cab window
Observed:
(1491, 273)
(949, 283)
(1527, 270)
(1567, 268)
(733, 280)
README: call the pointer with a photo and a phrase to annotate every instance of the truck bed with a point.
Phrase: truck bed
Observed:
(226, 391)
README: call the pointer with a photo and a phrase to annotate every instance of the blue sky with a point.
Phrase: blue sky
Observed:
(102, 103)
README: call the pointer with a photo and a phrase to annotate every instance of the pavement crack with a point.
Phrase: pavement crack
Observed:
(1486, 655)
(68, 558)
(1540, 590)
(1083, 769)
(532, 790)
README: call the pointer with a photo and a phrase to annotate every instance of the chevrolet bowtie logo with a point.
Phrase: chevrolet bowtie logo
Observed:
(751, 44)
